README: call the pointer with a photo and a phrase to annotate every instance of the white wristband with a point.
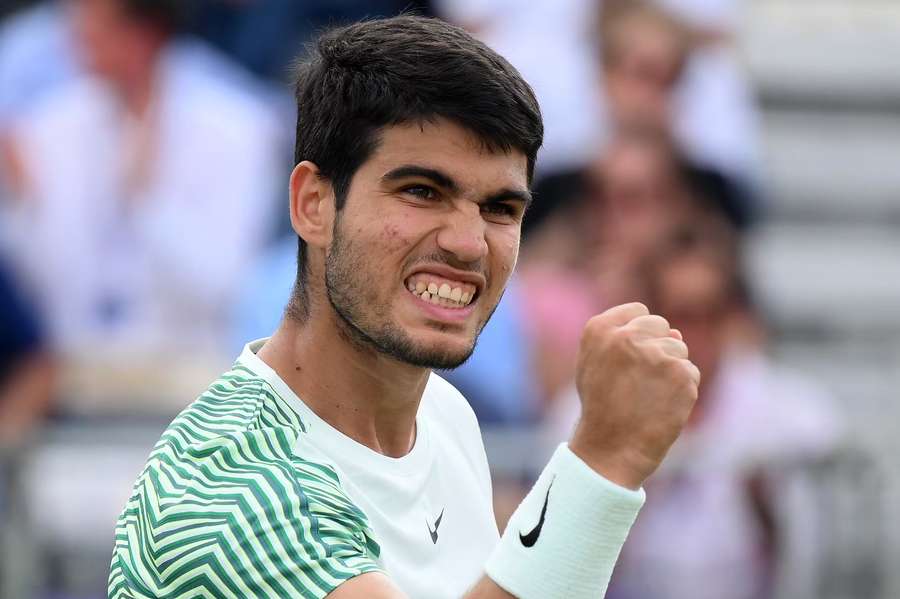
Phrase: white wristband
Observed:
(565, 537)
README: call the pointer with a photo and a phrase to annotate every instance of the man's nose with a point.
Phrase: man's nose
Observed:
(463, 233)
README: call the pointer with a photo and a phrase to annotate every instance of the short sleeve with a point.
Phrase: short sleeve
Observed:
(237, 516)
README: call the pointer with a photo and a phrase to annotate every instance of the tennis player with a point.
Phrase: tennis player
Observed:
(330, 461)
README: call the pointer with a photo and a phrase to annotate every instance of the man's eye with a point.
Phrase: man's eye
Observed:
(420, 191)
(499, 209)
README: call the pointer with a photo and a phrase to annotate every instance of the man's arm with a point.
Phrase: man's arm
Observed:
(375, 585)
(637, 389)
(227, 510)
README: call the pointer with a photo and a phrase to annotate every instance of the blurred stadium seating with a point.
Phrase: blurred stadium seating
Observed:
(826, 262)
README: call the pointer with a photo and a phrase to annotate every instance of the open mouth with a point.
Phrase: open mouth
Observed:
(441, 292)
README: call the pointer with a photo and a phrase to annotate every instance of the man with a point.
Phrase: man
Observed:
(415, 150)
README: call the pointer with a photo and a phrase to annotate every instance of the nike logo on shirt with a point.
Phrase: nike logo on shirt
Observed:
(437, 523)
(530, 538)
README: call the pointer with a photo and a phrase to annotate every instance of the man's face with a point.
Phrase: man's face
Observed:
(425, 243)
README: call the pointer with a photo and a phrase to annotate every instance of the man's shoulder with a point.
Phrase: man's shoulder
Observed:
(239, 402)
(227, 486)
(243, 421)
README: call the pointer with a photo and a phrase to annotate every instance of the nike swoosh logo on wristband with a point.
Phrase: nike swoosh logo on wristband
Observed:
(530, 538)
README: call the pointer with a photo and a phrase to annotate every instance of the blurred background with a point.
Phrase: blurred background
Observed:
(733, 164)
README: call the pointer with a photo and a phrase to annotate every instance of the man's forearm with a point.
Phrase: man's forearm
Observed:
(487, 589)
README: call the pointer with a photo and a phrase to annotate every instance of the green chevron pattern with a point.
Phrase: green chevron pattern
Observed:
(225, 508)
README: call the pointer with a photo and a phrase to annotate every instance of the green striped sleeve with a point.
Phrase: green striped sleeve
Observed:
(224, 508)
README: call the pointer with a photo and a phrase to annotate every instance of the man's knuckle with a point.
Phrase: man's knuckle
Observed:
(640, 307)
(664, 360)
(690, 388)
(693, 394)
(616, 335)
(673, 347)
(596, 326)
(628, 343)
(685, 378)
(659, 321)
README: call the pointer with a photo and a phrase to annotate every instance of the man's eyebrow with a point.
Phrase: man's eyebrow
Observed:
(523, 196)
(444, 180)
(410, 170)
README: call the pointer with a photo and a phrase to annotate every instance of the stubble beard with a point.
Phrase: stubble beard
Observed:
(365, 321)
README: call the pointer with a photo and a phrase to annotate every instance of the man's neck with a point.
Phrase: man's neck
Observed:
(368, 396)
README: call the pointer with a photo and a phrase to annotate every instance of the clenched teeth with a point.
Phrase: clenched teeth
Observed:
(442, 293)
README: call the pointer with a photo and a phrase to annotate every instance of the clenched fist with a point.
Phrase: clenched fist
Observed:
(637, 389)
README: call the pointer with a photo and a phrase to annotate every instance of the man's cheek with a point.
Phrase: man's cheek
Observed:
(507, 259)
(392, 237)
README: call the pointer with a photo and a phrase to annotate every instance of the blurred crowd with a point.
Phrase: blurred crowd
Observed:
(144, 156)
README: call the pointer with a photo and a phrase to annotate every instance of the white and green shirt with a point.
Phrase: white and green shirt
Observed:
(249, 494)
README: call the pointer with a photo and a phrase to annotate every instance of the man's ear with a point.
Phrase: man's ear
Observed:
(312, 205)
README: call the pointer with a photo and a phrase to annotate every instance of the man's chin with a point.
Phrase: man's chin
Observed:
(440, 357)
(442, 345)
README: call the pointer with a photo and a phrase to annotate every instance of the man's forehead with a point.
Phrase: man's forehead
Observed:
(448, 147)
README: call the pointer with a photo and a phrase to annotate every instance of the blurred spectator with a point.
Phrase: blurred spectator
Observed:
(682, 76)
(722, 195)
(642, 188)
(583, 257)
(644, 53)
(35, 56)
(551, 42)
(147, 185)
(713, 20)
(556, 295)
(639, 194)
(715, 89)
(26, 368)
(266, 35)
(708, 529)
